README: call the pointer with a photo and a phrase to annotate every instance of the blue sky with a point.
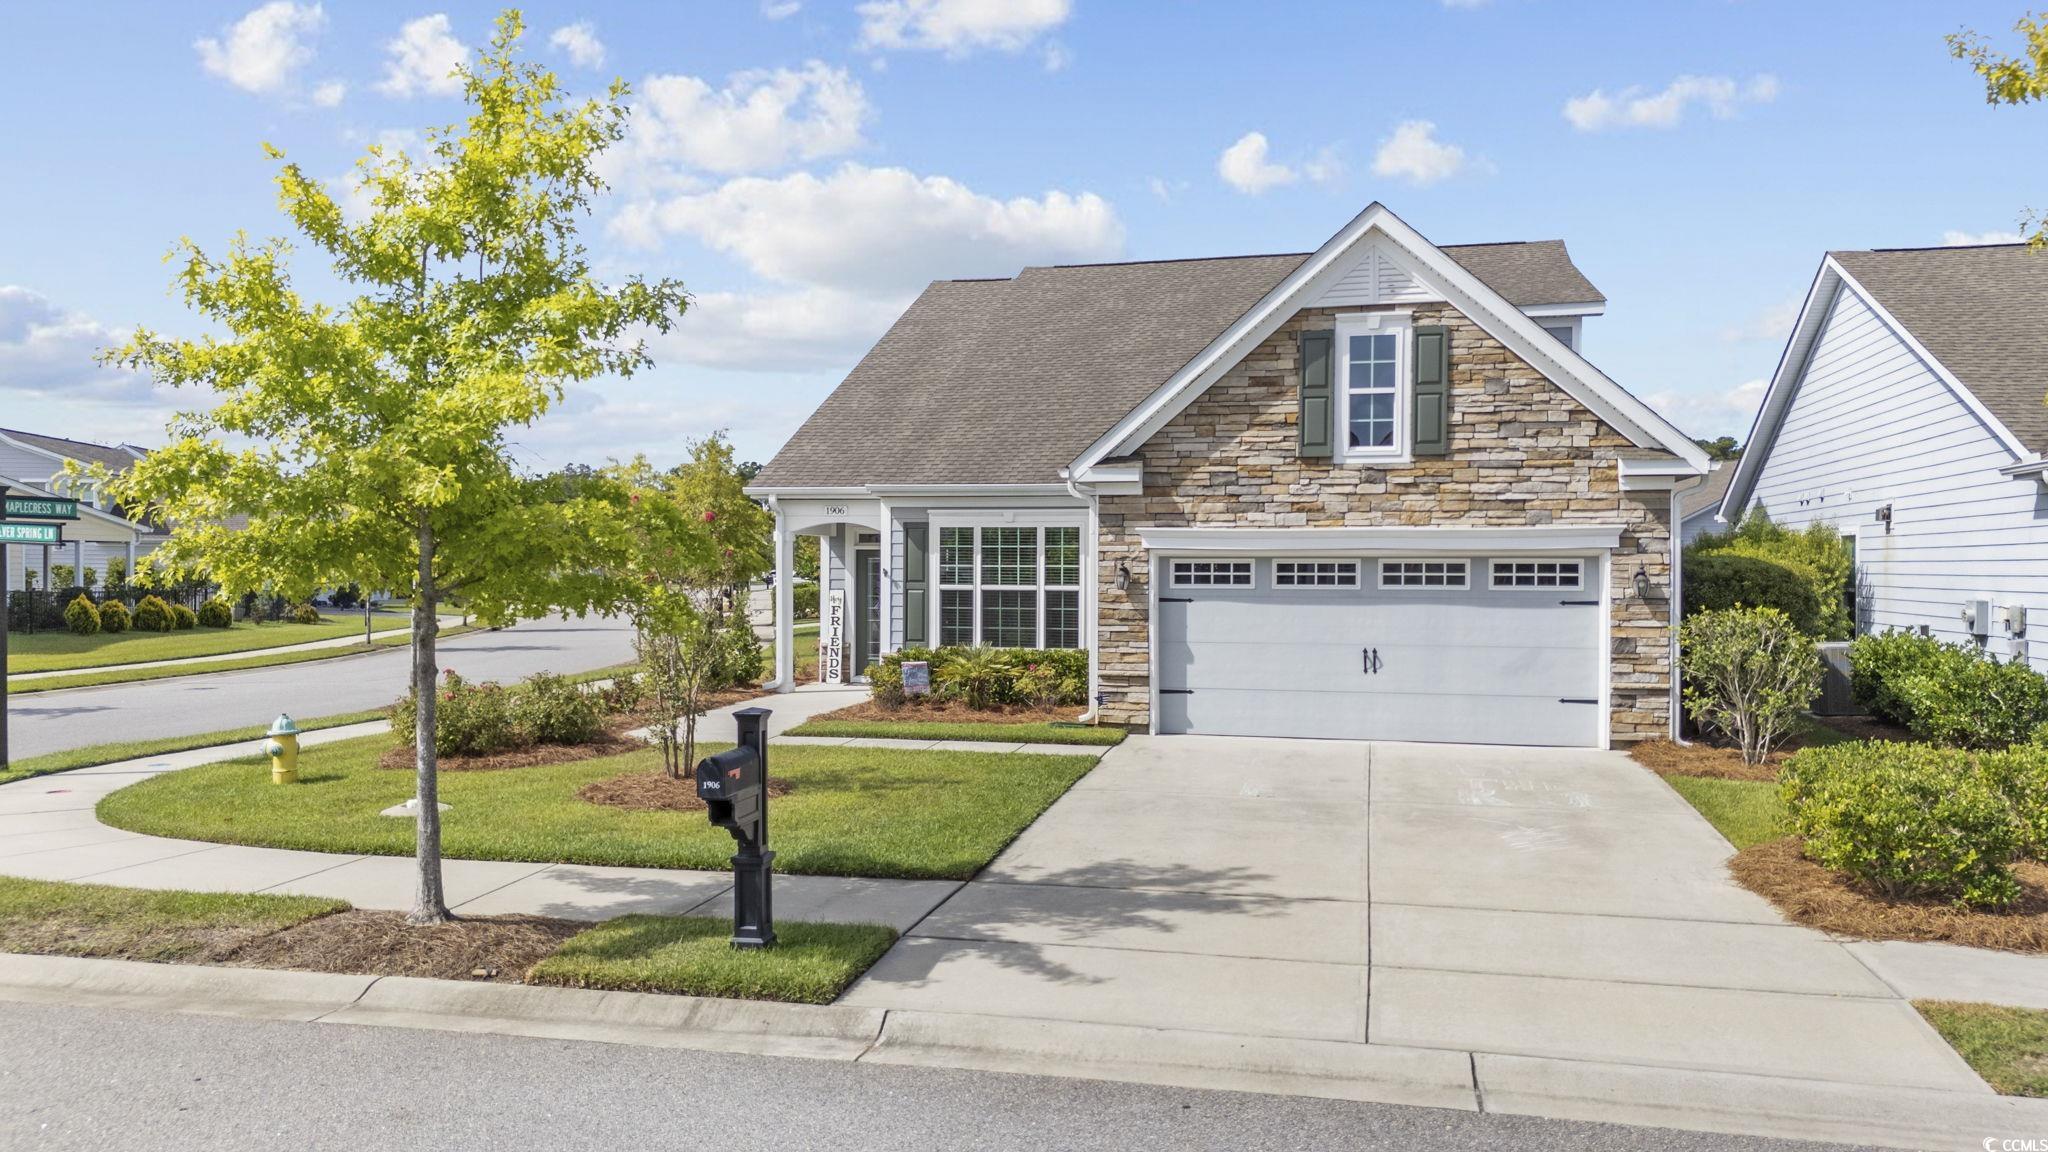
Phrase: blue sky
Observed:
(805, 167)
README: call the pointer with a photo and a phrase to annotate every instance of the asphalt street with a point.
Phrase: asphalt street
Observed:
(73, 718)
(101, 1078)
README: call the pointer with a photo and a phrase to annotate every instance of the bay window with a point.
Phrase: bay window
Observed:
(1009, 586)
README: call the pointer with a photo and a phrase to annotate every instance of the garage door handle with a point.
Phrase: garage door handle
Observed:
(1370, 659)
(1176, 600)
(1578, 602)
(1573, 700)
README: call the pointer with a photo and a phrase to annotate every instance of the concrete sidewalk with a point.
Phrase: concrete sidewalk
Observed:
(48, 831)
(352, 639)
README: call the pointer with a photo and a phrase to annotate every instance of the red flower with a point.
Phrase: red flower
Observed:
(709, 515)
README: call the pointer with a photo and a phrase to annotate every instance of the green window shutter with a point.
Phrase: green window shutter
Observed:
(915, 537)
(1318, 396)
(1432, 391)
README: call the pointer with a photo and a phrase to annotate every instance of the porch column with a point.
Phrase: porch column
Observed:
(78, 561)
(785, 602)
(129, 577)
(46, 567)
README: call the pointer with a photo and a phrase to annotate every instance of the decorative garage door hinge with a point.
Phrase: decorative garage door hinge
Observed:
(1176, 691)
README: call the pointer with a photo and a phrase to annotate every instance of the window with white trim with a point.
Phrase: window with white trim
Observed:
(1373, 386)
(1210, 573)
(1010, 586)
(1424, 574)
(1537, 573)
(1315, 573)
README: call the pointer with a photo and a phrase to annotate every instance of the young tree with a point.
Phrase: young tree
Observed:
(366, 442)
(697, 540)
(2011, 80)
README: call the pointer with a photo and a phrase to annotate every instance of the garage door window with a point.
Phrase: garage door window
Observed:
(1211, 573)
(1423, 574)
(1536, 574)
(1010, 587)
(1315, 573)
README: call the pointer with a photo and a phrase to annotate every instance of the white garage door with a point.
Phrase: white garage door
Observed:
(1464, 650)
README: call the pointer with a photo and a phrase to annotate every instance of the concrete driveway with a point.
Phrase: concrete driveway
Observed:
(1495, 903)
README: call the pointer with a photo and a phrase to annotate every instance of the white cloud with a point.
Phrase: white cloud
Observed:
(1722, 96)
(1773, 322)
(329, 93)
(880, 230)
(48, 351)
(1413, 153)
(423, 59)
(261, 51)
(1244, 166)
(757, 122)
(1056, 57)
(1727, 412)
(580, 41)
(1955, 239)
(958, 27)
(780, 9)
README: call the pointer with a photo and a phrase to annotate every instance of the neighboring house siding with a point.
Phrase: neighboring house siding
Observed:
(1870, 425)
(26, 466)
(1522, 452)
(1698, 524)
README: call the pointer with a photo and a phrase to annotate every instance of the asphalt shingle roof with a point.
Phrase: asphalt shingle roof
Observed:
(1007, 381)
(116, 459)
(1982, 312)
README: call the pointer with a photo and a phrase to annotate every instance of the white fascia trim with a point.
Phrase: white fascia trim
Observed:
(1546, 310)
(1655, 475)
(789, 493)
(1813, 315)
(1470, 295)
(968, 489)
(1076, 517)
(2035, 468)
(1431, 540)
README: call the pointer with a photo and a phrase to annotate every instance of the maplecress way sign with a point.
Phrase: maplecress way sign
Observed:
(39, 508)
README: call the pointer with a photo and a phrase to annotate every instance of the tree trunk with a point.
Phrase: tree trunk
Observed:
(430, 905)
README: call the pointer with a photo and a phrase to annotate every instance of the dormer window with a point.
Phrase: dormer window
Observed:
(1372, 386)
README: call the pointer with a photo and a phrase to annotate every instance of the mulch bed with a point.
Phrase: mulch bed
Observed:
(1670, 758)
(1864, 728)
(498, 949)
(953, 712)
(654, 792)
(614, 743)
(1819, 898)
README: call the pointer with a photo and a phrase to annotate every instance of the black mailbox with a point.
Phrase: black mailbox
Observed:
(734, 788)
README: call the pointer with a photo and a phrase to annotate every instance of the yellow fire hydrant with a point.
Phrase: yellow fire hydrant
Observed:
(283, 750)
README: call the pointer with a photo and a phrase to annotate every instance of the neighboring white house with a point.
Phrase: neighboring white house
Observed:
(1908, 411)
(34, 463)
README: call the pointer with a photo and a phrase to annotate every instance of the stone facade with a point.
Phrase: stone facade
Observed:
(1522, 451)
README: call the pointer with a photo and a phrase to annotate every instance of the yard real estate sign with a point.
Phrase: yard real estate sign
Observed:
(832, 645)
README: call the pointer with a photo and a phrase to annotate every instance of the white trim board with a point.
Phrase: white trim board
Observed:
(1446, 539)
(1432, 269)
(1828, 284)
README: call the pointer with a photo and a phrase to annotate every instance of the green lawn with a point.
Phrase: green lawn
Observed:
(689, 956)
(141, 924)
(57, 651)
(1745, 811)
(119, 675)
(854, 811)
(2007, 1046)
(95, 754)
(963, 730)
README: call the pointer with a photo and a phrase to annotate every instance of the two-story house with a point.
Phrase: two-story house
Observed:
(34, 464)
(1373, 491)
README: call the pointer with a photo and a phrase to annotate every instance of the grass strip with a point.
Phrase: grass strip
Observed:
(851, 811)
(2008, 1047)
(97, 754)
(690, 956)
(59, 651)
(1747, 812)
(137, 675)
(962, 730)
(142, 924)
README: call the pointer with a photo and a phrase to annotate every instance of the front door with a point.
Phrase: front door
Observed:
(867, 616)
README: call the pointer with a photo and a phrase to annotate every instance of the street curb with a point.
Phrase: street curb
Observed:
(1375, 1073)
(647, 1019)
(251, 993)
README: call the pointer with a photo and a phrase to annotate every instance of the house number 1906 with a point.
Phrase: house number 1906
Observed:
(835, 509)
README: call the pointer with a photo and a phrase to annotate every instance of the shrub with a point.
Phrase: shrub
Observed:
(1879, 661)
(2020, 774)
(981, 677)
(183, 619)
(82, 617)
(550, 710)
(1045, 683)
(1970, 700)
(805, 597)
(1817, 554)
(1748, 674)
(114, 617)
(217, 613)
(1718, 581)
(152, 615)
(1906, 819)
(737, 659)
(623, 694)
(305, 614)
(469, 719)
(885, 681)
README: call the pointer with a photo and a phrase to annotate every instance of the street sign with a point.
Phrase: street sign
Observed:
(13, 533)
(40, 508)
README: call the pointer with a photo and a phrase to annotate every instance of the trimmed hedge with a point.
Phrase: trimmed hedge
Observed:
(217, 613)
(1719, 581)
(1951, 694)
(1816, 556)
(114, 617)
(183, 619)
(473, 719)
(1911, 820)
(990, 677)
(805, 598)
(153, 615)
(81, 616)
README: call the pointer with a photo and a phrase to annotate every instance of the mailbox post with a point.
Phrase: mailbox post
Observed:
(734, 788)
